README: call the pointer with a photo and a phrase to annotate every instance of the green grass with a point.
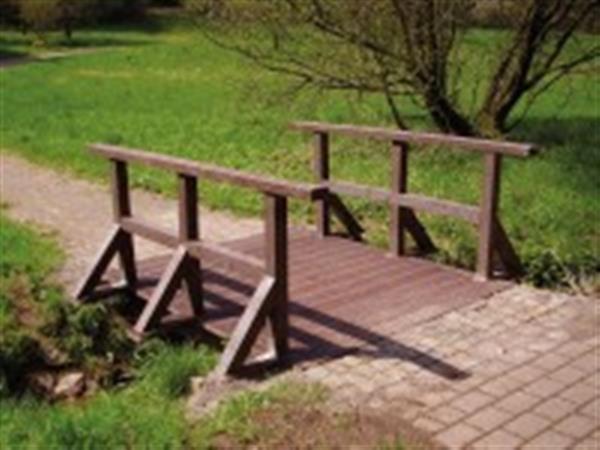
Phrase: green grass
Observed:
(171, 91)
(146, 413)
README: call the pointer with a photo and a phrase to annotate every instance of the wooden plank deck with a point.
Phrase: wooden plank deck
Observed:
(344, 295)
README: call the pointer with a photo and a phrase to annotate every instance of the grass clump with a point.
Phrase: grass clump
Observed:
(136, 401)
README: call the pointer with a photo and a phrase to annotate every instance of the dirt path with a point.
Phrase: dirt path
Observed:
(80, 212)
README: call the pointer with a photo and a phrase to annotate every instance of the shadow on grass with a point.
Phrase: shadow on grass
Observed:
(580, 133)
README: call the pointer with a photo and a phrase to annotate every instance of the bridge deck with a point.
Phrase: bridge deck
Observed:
(344, 295)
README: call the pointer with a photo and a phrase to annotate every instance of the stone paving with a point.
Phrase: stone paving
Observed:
(519, 370)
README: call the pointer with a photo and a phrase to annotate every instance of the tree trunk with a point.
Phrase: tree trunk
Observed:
(68, 30)
(446, 117)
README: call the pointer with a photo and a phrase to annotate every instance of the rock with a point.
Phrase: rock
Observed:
(70, 385)
(42, 383)
(196, 384)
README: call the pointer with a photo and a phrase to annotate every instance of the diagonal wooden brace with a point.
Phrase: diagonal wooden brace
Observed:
(341, 211)
(118, 243)
(506, 253)
(247, 329)
(181, 268)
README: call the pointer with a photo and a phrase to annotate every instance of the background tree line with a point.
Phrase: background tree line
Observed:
(42, 16)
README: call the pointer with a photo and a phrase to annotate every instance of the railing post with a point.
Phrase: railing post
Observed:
(399, 160)
(120, 190)
(122, 208)
(321, 171)
(487, 214)
(189, 231)
(276, 255)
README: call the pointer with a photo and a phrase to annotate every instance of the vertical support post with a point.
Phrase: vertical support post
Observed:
(122, 208)
(321, 171)
(399, 157)
(120, 190)
(487, 214)
(276, 255)
(189, 231)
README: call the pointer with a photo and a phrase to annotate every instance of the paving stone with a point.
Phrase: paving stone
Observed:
(517, 402)
(527, 373)
(577, 426)
(527, 425)
(550, 361)
(447, 414)
(544, 387)
(567, 375)
(499, 439)
(549, 441)
(472, 401)
(500, 387)
(555, 408)
(428, 424)
(458, 436)
(488, 418)
(579, 393)
(592, 409)
(587, 444)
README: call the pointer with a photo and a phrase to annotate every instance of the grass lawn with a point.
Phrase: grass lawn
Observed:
(168, 90)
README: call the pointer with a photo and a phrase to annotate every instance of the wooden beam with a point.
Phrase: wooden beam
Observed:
(153, 233)
(276, 265)
(120, 190)
(169, 283)
(122, 208)
(508, 256)
(189, 231)
(432, 205)
(346, 217)
(399, 162)
(246, 331)
(211, 172)
(418, 232)
(92, 278)
(411, 201)
(419, 138)
(487, 218)
(321, 171)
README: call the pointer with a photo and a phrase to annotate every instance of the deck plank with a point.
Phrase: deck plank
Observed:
(344, 295)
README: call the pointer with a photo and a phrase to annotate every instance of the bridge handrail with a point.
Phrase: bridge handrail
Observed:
(492, 237)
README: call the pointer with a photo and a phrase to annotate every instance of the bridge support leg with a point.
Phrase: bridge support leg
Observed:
(180, 269)
(119, 243)
(270, 300)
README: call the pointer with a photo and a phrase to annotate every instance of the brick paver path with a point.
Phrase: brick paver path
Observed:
(519, 370)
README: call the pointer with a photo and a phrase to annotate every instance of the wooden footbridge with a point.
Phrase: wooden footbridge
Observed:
(319, 294)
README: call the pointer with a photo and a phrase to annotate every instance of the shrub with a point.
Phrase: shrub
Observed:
(42, 16)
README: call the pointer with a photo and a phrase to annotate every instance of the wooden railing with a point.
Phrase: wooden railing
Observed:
(270, 300)
(492, 236)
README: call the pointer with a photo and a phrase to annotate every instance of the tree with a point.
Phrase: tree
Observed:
(408, 50)
(41, 16)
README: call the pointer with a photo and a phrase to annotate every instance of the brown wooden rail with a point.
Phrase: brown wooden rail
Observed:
(270, 298)
(492, 237)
